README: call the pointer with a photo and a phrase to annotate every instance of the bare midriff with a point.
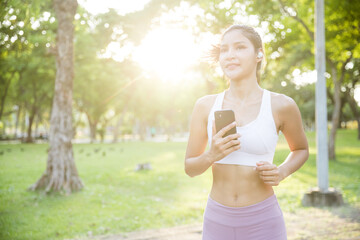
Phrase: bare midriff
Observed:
(238, 185)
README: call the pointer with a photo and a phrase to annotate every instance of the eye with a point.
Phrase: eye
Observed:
(222, 49)
(240, 47)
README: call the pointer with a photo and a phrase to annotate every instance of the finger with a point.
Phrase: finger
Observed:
(268, 178)
(213, 128)
(228, 140)
(266, 167)
(271, 183)
(226, 128)
(231, 143)
(270, 172)
(261, 163)
(231, 137)
(231, 149)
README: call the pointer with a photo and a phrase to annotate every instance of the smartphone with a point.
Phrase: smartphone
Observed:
(224, 118)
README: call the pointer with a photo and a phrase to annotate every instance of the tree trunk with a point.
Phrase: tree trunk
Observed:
(102, 131)
(36, 132)
(17, 121)
(61, 173)
(93, 126)
(341, 114)
(335, 114)
(116, 129)
(29, 138)
(93, 132)
(354, 108)
(118, 124)
(23, 125)
(5, 92)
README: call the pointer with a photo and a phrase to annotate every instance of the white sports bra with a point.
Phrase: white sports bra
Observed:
(258, 138)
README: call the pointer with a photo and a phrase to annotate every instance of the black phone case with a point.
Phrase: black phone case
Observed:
(224, 118)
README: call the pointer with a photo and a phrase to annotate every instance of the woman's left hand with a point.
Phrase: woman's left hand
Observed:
(269, 173)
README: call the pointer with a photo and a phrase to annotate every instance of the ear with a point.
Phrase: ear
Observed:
(260, 55)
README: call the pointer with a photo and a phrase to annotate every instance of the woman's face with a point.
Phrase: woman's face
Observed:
(237, 55)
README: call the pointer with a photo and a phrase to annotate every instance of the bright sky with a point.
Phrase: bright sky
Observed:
(169, 51)
(122, 6)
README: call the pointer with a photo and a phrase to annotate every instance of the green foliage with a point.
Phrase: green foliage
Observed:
(117, 199)
(137, 24)
(27, 66)
(98, 80)
(102, 84)
(105, 89)
(289, 31)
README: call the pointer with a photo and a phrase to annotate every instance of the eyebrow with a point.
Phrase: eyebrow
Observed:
(240, 42)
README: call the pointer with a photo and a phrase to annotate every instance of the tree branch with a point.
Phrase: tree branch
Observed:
(343, 71)
(310, 33)
(283, 7)
(352, 103)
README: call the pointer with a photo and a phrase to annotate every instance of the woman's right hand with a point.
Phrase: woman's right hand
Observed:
(223, 146)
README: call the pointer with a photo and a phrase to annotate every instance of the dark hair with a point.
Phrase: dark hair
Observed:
(249, 33)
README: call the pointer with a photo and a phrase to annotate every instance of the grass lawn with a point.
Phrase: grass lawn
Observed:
(118, 199)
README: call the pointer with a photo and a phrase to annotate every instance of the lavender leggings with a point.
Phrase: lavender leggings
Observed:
(263, 220)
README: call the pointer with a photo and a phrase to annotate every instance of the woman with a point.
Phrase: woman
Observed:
(242, 203)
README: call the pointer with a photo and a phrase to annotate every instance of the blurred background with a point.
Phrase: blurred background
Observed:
(141, 65)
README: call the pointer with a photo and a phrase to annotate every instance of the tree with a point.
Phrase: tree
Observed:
(11, 46)
(341, 46)
(290, 29)
(97, 77)
(353, 79)
(61, 173)
(27, 69)
(35, 86)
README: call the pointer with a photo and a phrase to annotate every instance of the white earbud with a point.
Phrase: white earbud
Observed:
(260, 55)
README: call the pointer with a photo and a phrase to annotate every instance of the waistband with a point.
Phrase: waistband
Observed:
(248, 216)
(250, 209)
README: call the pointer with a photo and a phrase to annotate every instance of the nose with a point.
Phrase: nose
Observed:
(230, 54)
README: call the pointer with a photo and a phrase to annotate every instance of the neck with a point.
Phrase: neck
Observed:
(244, 88)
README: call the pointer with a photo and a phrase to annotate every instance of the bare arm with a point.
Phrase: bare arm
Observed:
(197, 160)
(291, 126)
(293, 131)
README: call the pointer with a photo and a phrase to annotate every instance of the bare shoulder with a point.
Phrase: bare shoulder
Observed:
(203, 105)
(206, 102)
(285, 110)
(282, 103)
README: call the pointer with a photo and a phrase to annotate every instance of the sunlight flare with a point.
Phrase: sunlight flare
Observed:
(167, 53)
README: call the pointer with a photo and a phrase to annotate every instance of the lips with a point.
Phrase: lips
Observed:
(232, 65)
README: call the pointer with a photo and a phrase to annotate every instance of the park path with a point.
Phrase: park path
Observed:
(185, 232)
(341, 223)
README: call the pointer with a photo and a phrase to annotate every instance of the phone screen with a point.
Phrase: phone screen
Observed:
(224, 118)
